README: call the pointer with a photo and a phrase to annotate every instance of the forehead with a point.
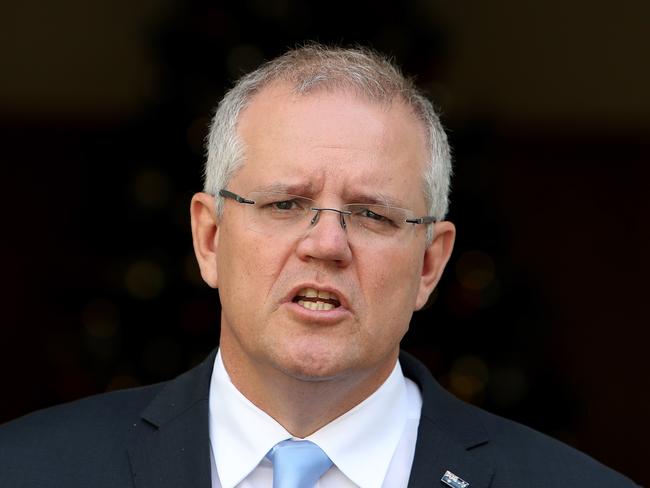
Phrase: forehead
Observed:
(333, 141)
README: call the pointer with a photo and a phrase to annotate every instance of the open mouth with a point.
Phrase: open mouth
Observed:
(313, 299)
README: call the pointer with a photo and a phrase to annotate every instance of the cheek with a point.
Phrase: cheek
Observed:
(392, 286)
(252, 266)
(244, 270)
(264, 261)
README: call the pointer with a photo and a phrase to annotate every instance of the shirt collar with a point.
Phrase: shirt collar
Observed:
(361, 442)
(241, 434)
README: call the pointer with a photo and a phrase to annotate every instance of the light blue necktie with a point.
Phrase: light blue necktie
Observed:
(297, 464)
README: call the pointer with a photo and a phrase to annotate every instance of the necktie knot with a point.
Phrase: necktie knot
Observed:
(297, 464)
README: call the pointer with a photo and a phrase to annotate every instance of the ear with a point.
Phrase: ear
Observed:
(436, 256)
(205, 235)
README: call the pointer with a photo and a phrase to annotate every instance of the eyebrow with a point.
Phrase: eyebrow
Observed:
(306, 190)
(375, 199)
(298, 189)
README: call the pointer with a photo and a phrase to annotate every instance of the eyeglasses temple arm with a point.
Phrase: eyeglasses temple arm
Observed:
(422, 220)
(234, 196)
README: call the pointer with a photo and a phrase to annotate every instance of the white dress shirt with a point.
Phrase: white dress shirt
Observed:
(371, 446)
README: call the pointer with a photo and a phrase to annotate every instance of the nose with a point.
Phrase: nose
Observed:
(327, 238)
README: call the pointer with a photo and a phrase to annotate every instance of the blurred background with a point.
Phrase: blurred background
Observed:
(542, 315)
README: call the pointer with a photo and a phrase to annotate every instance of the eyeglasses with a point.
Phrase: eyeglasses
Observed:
(272, 213)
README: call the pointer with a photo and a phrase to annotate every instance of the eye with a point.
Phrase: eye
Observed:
(378, 218)
(366, 212)
(285, 205)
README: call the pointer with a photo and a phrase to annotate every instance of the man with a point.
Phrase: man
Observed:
(322, 226)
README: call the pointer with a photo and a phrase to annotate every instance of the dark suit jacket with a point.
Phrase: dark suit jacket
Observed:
(157, 436)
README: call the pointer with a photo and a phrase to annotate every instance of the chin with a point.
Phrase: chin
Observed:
(314, 364)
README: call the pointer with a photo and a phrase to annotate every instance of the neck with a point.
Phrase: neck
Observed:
(301, 406)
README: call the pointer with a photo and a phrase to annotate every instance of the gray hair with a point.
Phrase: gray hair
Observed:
(314, 66)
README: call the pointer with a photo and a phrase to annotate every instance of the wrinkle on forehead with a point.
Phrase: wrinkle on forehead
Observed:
(332, 143)
(350, 193)
(276, 97)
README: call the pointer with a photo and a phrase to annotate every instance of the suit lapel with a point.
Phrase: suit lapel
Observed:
(170, 446)
(450, 436)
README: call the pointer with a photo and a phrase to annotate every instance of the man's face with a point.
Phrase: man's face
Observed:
(334, 148)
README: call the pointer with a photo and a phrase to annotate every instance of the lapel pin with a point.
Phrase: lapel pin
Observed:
(450, 479)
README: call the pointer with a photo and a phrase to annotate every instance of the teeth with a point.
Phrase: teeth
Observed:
(316, 299)
(313, 293)
(315, 305)
(308, 305)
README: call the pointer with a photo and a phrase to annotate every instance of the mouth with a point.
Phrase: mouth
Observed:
(313, 299)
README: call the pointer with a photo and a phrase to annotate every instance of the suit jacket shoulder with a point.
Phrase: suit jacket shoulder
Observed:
(145, 437)
(76, 444)
(489, 451)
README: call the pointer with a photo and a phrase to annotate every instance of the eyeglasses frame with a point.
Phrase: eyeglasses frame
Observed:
(424, 220)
